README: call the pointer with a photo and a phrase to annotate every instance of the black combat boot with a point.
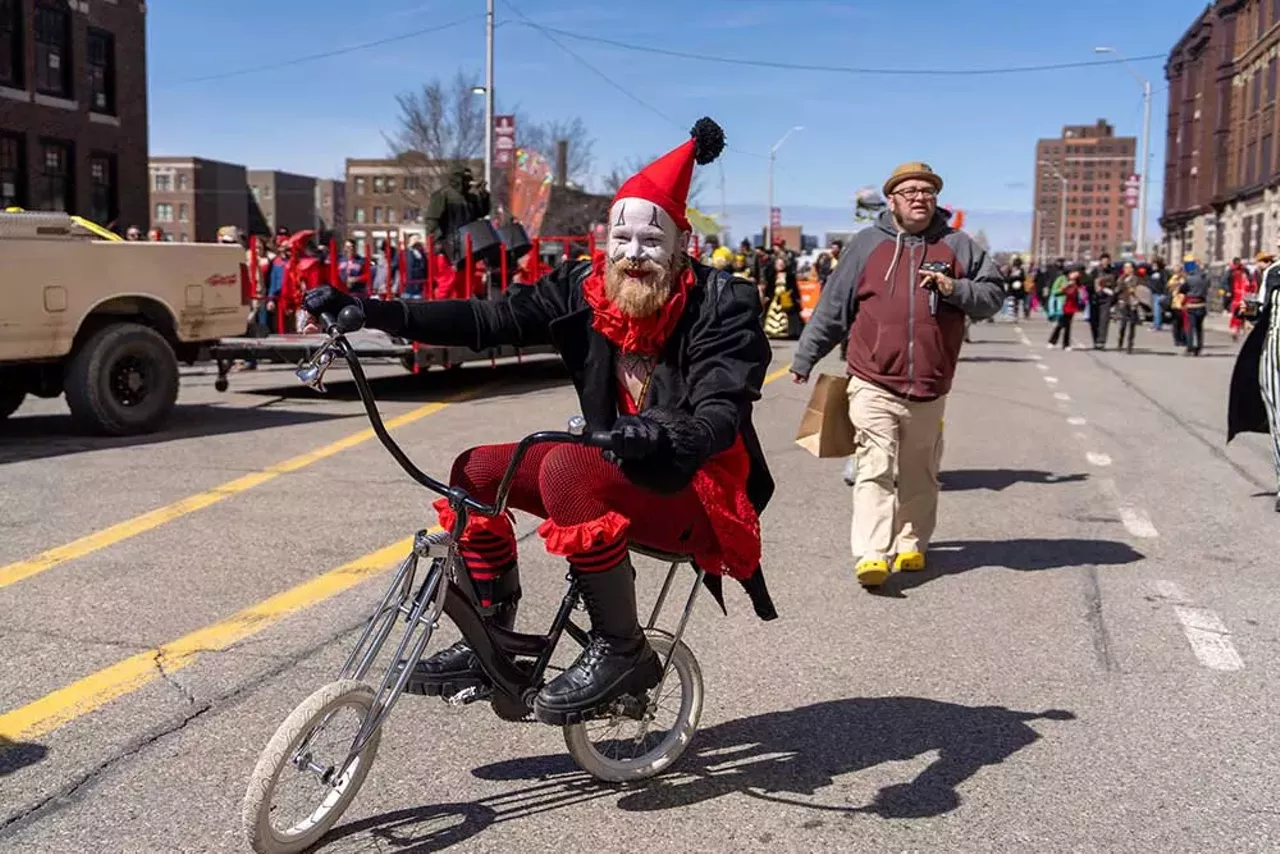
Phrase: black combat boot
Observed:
(456, 668)
(617, 662)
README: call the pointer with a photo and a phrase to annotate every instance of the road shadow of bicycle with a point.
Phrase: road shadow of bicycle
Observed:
(785, 757)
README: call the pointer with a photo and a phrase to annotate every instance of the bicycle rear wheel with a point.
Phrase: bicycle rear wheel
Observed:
(618, 748)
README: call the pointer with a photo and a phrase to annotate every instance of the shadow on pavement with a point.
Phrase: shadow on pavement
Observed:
(1023, 555)
(16, 755)
(782, 757)
(478, 381)
(37, 437)
(998, 480)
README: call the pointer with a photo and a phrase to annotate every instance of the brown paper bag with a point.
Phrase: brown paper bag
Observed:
(825, 429)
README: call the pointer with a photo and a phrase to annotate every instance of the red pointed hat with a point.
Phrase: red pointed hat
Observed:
(665, 181)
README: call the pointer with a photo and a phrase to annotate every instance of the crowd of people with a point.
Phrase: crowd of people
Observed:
(1128, 293)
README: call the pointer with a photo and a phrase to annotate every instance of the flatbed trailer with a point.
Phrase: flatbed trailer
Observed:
(369, 345)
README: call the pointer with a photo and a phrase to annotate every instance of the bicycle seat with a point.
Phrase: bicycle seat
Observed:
(665, 557)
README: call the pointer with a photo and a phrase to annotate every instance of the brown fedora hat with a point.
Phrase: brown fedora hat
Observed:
(913, 170)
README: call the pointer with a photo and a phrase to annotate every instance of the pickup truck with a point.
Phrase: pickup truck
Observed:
(106, 321)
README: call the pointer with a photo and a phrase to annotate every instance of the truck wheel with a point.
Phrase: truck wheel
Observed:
(10, 400)
(122, 381)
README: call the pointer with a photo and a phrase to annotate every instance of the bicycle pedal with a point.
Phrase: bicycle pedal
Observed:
(468, 695)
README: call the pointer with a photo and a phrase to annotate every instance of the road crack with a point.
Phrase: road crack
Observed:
(1097, 622)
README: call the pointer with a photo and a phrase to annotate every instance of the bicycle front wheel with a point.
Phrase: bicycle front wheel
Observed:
(304, 754)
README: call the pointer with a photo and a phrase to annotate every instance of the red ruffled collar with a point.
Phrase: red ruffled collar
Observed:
(644, 335)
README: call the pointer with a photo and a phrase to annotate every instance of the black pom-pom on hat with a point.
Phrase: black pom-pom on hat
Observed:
(708, 140)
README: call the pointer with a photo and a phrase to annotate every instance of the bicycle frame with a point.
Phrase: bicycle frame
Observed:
(447, 588)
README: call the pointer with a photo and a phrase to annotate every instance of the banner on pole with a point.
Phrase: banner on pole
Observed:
(504, 141)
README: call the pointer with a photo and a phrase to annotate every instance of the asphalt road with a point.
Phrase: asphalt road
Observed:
(1090, 662)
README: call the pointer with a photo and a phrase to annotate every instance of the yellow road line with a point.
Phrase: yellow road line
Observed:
(776, 374)
(15, 572)
(96, 690)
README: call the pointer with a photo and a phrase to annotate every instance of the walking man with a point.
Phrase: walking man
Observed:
(900, 298)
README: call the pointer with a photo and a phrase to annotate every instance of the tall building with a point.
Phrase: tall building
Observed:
(1222, 170)
(191, 197)
(1088, 166)
(73, 108)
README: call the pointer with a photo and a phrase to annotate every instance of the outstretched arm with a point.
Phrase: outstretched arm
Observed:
(521, 318)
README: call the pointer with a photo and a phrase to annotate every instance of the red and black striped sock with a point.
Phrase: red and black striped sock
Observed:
(601, 557)
(488, 557)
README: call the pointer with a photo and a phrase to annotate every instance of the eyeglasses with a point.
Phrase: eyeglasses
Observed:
(918, 193)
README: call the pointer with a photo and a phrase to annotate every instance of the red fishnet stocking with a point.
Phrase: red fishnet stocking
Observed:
(591, 509)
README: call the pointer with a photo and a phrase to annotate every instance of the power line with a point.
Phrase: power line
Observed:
(547, 33)
(838, 69)
(330, 53)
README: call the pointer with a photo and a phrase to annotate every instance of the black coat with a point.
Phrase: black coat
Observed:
(702, 391)
(1246, 412)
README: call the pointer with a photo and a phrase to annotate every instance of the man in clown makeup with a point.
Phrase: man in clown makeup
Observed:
(670, 356)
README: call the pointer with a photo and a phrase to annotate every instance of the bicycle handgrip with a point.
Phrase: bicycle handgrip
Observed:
(602, 439)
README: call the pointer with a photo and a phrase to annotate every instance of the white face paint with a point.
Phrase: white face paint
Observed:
(639, 230)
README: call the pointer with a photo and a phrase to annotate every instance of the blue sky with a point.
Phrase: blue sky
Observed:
(979, 132)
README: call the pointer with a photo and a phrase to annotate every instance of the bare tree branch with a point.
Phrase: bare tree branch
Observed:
(543, 136)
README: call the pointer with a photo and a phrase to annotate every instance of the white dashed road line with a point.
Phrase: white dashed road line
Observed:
(1077, 421)
(1051, 380)
(1061, 395)
(1097, 459)
(1042, 366)
(1208, 635)
(1134, 519)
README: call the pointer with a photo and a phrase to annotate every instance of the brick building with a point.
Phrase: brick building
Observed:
(1222, 180)
(73, 108)
(283, 200)
(191, 198)
(1095, 164)
(386, 197)
(332, 205)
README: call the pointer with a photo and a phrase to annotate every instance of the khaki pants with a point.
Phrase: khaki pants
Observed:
(896, 440)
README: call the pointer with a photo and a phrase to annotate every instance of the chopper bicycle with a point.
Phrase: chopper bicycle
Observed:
(431, 582)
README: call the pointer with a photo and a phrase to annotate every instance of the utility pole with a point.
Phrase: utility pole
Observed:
(1142, 188)
(488, 97)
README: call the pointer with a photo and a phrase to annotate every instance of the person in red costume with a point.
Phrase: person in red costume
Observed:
(669, 355)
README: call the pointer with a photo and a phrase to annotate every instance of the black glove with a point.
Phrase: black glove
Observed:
(326, 299)
(637, 438)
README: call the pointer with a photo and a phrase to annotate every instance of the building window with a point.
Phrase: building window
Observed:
(379, 184)
(102, 72)
(1255, 92)
(53, 50)
(12, 170)
(11, 43)
(55, 191)
(182, 214)
(1265, 167)
(413, 183)
(360, 186)
(412, 214)
(102, 192)
(391, 214)
(182, 181)
(359, 214)
(162, 182)
(164, 212)
(391, 185)
(377, 214)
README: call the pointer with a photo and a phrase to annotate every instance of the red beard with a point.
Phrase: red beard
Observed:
(638, 288)
(617, 300)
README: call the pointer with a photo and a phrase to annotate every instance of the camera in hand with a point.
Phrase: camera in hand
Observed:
(934, 267)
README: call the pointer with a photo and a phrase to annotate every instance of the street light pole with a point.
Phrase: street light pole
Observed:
(1146, 147)
(488, 97)
(773, 152)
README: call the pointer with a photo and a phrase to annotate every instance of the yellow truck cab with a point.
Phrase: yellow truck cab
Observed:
(107, 321)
